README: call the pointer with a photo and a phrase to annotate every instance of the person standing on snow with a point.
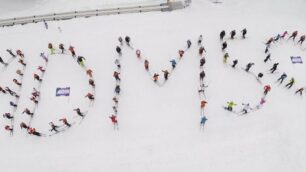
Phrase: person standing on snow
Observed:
(222, 34)
(8, 116)
(11, 53)
(64, 120)
(230, 105)
(244, 32)
(90, 96)
(118, 50)
(273, 69)
(202, 62)
(202, 75)
(53, 127)
(293, 35)
(224, 45)
(233, 33)
(246, 108)
(188, 44)
(290, 84)
(203, 121)
(267, 88)
(300, 91)
(72, 51)
(155, 77)
(2, 62)
(173, 63)
(80, 60)
(301, 40)
(267, 58)
(248, 66)
(146, 64)
(116, 76)
(281, 78)
(225, 57)
(201, 50)
(234, 63)
(114, 121)
(200, 40)
(166, 74)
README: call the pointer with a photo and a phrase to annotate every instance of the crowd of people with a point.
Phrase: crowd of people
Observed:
(272, 42)
(16, 84)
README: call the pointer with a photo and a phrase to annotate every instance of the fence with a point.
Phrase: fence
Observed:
(98, 12)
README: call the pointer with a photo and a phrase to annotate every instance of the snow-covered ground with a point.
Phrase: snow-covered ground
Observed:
(159, 126)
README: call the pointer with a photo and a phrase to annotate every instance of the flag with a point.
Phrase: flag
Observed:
(63, 91)
(296, 59)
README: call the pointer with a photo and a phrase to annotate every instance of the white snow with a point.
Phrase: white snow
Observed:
(159, 126)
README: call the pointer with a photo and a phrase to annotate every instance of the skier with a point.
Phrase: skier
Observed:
(46, 24)
(2, 62)
(269, 41)
(181, 53)
(127, 40)
(284, 35)
(200, 40)
(278, 36)
(52, 50)
(225, 57)
(24, 126)
(267, 49)
(19, 53)
(115, 109)
(202, 75)
(267, 58)
(273, 69)
(53, 127)
(293, 35)
(301, 40)
(166, 74)
(89, 72)
(117, 62)
(78, 111)
(19, 72)
(259, 76)
(244, 32)
(115, 100)
(34, 100)
(35, 93)
(14, 105)
(2, 90)
(202, 88)
(11, 92)
(40, 68)
(90, 96)
(203, 120)
(17, 82)
(36, 77)
(173, 63)
(8, 116)
(64, 120)
(233, 33)
(155, 77)
(117, 89)
(61, 47)
(203, 104)
(116, 76)
(201, 50)
(230, 105)
(146, 64)
(120, 40)
(267, 88)
(138, 54)
(246, 107)
(118, 50)
(72, 51)
(80, 61)
(202, 62)
(11, 53)
(290, 83)
(248, 67)
(91, 82)
(27, 111)
(114, 121)
(300, 91)
(224, 46)
(234, 63)
(42, 55)
(222, 34)
(281, 78)
(34, 132)
(188, 44)
(8, 128)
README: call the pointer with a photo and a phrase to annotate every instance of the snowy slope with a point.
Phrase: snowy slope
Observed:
(159, 126)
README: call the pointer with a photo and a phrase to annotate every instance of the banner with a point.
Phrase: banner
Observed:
(63, 91)
(296, 59)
